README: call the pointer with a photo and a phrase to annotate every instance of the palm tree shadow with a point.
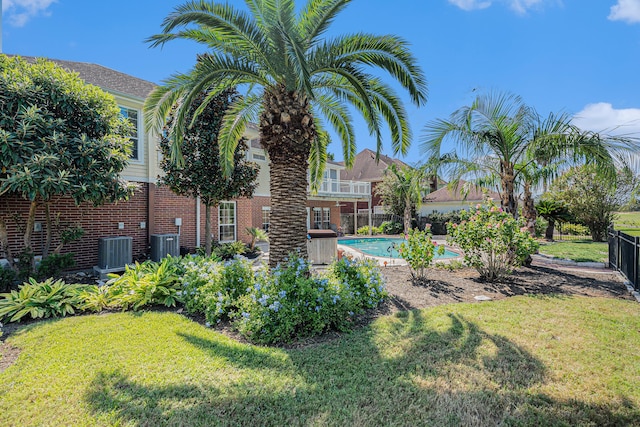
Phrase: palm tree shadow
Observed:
(405, 358)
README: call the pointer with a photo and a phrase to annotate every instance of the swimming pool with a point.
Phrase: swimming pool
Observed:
(384, 247)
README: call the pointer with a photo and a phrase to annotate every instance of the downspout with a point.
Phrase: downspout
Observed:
(198, 222)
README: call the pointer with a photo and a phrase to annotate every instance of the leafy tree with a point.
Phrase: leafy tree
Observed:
(553, 211)
(257, 235)
(298, 81)
(200, 173)
(591, 197)
(58, 136)
(500, 136)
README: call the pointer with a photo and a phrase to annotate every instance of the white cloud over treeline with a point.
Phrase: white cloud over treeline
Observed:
(602, 117)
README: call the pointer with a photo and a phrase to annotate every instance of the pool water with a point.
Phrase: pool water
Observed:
(386, 247)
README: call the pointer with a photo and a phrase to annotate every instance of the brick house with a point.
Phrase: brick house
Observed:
(156, 210)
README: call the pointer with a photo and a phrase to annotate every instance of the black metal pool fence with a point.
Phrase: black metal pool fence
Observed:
(624, 251)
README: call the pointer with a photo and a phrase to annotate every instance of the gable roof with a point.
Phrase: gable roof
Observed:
(365, 167)
(445, 195)
(107, 79)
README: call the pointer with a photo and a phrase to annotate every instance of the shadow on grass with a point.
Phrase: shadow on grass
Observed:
(404, 370)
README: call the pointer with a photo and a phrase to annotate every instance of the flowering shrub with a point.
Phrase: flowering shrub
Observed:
(213, 288)
(290, 302)
(419, 250)
(493, 242)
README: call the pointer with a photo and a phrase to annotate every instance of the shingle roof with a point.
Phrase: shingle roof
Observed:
(106, 78)
(365, 167)
(446, 195)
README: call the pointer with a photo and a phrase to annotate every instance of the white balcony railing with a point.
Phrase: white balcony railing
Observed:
(338, 188)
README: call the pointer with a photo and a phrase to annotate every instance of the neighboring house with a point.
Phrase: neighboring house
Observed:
(445, 200)
(365, 168)
(156, 210)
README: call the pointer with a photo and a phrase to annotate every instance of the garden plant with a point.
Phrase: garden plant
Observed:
(419, 251)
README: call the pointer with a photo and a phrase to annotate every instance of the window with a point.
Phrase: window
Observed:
(317, 218)
(227, 221)
(259, 157)
(266, 218)
(326, 218)
(132, 115)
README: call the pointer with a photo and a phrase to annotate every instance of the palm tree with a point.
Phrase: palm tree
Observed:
(298, 82)
(501, 137)
(408, 186)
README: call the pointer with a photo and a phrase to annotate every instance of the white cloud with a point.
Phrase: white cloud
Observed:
(521, 7)
(20, 11)
(470, 4)
(602, 117)
(626, 10)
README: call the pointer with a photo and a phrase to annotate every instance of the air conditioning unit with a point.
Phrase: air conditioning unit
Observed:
(114, 252)
(163, 245)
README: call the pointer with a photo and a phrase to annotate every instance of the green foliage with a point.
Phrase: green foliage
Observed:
(290, 303)
(574, 229)
(96, 298)
(391, 227)
(8, 277)
(436, 222)
(53, 264)
(364, 230)
(452, 265)
(213, 288)
(419, 250)
(145, 284)
(257, 235)
(493, 242)
(401, 190)
(227, 251)
(41, 300)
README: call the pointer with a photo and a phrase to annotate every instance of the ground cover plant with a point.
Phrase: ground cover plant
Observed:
(577, 250)
(528, 360)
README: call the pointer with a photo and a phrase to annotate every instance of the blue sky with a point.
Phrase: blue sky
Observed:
(580, 57)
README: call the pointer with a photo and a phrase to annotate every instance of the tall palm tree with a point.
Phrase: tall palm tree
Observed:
(500, 136)
(298, 82)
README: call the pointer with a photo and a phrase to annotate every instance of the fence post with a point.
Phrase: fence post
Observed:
(636, 243)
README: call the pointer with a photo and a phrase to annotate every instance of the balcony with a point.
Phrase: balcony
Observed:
(335, 188)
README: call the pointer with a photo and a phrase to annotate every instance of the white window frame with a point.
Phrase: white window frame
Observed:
(326, 218)
(139, 137)
(221, 206)
(266, 210)
(259, 157)
(317, 217)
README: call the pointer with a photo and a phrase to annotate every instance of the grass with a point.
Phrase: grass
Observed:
(522, 361)
(577, 250)
(627, 220)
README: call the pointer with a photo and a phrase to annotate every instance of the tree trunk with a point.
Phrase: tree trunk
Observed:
(287, 131)
(548, 234)
(507, 196)
(4, 242)
(207, 230)
(433, 183)
(31, 219)
(529, 210)
(49, 234)
(407, 216)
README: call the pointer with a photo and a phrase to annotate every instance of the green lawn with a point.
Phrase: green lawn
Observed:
(577, 250)
(521, 361)
(627, 220)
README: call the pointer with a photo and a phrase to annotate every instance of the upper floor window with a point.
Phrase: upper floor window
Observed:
(132, 115)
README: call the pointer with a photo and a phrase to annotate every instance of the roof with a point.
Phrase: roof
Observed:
(446, 195)
(106, 78)
(365, 167)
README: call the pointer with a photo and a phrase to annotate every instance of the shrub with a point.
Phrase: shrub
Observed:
(364, 231)
(574, 229)
(213, 288)
(452, 265)
(227, 251)
(418, 250)
(146, 284)
(53, 264)
(391, 227)
(493, 242)
(290, 303)
(8, 278)
(41, 300)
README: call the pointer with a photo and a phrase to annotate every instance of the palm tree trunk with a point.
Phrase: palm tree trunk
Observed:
(529, 210)
(407, 215)
(507, 196)
(286, 132)
(548, 234)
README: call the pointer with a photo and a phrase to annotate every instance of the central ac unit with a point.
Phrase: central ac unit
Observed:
(114, 252)
(163, 245)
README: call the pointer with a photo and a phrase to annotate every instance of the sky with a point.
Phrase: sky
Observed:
(581, 57)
